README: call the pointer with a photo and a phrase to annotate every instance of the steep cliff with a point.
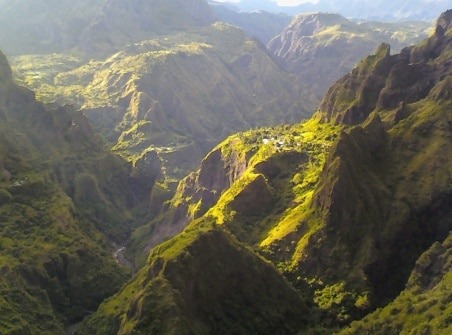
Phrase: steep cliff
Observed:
(194, 195)
(62, 199)
(385, 190)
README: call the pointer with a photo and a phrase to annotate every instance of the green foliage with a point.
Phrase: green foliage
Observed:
(418, 309)
(61, 195)
(331, 206)
(25, 309)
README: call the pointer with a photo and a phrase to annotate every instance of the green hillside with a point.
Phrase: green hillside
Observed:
(64, 200)
(202, 282)
(342, 205)
(335, 224)
(423, 307)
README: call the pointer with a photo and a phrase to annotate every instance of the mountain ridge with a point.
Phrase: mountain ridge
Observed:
(381, 10)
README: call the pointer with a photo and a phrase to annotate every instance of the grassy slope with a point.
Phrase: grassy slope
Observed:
(289, 171)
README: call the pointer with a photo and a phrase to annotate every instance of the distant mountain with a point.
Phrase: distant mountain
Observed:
(344, 205)
(319, 48)
(119, 23)
(381, 10)
(261, 25)
(254, 6)
(43, 26)
(94, 27)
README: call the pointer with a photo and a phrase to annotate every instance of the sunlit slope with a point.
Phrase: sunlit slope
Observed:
(202, 282)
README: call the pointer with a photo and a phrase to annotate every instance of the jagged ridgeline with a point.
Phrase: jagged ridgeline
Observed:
(333, 212)
(63, 200)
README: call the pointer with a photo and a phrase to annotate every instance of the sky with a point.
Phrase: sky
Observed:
(280, 2)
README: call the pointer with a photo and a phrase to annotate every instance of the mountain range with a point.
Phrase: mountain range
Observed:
(168, 95)
(176, 96)
(381, 10)
(168, 176)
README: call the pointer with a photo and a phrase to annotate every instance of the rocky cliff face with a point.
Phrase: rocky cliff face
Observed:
(385, 82)
(194, 195)
(5, 69)
(397, 217)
